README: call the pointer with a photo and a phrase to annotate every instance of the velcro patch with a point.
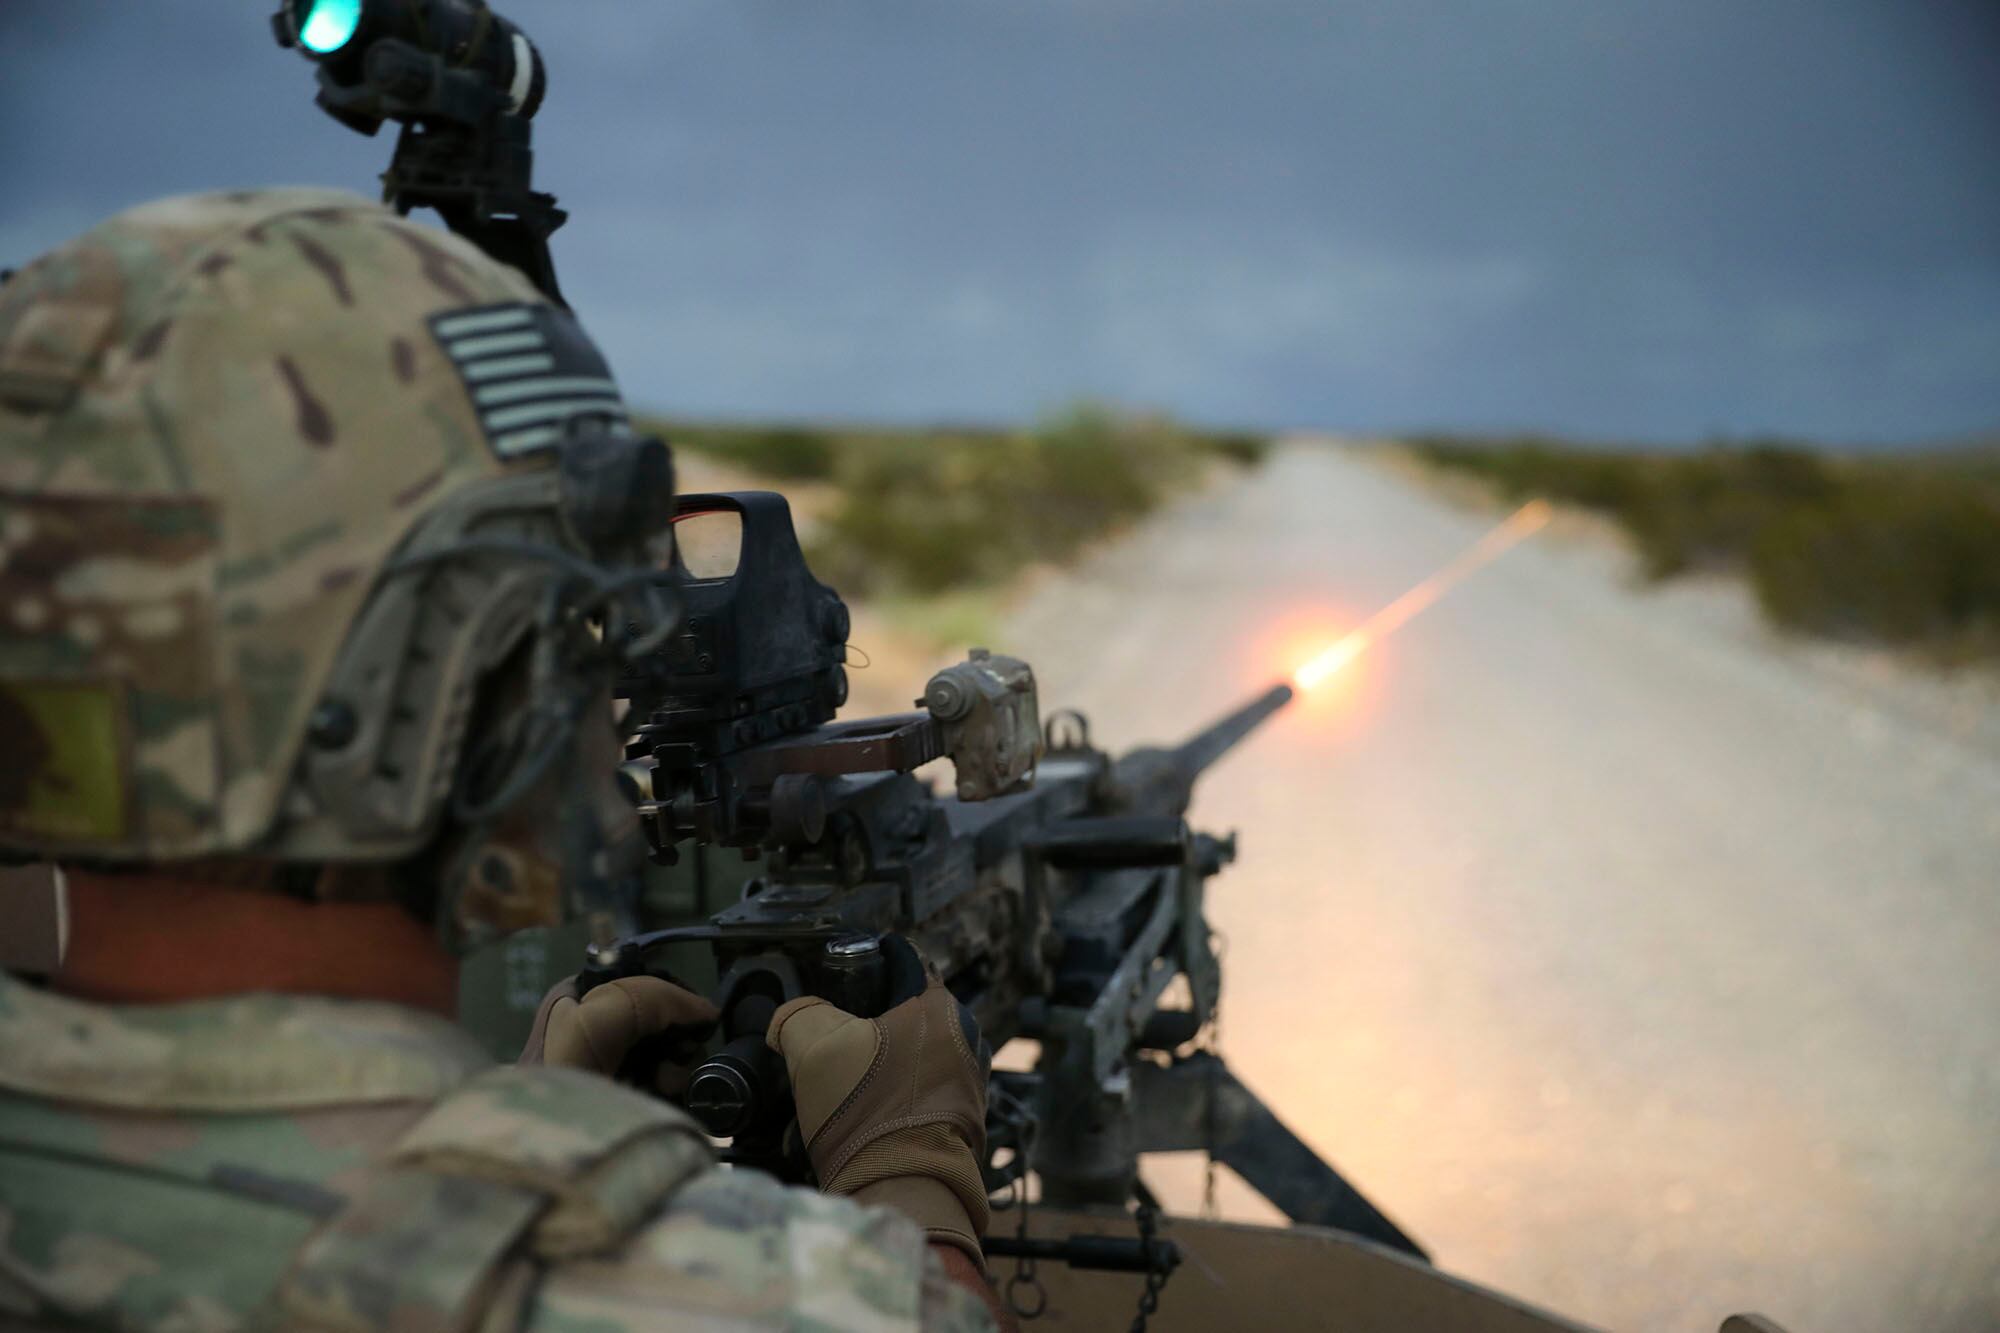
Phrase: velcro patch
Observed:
(530, 369)
(66, 743)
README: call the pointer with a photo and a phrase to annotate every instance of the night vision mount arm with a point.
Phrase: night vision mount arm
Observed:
(464, 83)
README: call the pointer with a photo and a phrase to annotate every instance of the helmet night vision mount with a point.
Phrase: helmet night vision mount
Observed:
(464, 83)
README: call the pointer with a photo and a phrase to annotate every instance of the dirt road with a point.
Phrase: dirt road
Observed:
(1639, 966)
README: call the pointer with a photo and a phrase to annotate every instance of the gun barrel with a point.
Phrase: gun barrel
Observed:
(1161, 781)
(1212, 742)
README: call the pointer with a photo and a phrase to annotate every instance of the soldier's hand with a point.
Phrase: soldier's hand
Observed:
(893, 1109)
(599, 1031)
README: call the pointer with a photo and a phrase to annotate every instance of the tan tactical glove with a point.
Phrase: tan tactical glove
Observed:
(893, 1109)
(600, 1031)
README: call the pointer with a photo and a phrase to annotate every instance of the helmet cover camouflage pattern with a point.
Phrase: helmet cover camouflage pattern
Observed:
(219, 416)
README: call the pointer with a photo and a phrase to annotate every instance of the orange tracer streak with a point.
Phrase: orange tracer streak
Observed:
(1517, 527)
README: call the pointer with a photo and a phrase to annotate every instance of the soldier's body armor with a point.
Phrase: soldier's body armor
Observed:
(290, 1163)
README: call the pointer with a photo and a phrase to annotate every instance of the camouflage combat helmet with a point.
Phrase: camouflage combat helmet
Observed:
(282, 475)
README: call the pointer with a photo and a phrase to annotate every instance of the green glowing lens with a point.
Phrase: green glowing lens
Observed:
(329, 24)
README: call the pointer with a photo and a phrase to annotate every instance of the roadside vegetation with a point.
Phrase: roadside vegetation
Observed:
(1901, 549)
(950, 512)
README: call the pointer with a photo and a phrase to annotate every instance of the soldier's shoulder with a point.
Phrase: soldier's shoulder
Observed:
(315, 1187)
(124, 1132)
(738, 1249)
(242, 1054)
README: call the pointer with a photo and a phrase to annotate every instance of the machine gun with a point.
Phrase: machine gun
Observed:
(1058, 890)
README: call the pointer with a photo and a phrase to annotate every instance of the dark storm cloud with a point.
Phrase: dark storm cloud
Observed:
(1632, 218)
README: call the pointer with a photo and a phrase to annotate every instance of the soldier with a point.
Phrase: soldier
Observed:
(322, 537)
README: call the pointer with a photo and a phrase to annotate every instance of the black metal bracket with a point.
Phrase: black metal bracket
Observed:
(1196, 1103)
(1104, 1254)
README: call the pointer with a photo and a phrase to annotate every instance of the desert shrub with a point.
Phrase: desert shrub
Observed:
(1916, 561)
(927, 515)
(1238, 447)
(1899, 549)
(926, 511)
(785, 453)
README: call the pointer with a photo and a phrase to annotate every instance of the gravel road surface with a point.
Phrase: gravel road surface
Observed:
(1640, 965)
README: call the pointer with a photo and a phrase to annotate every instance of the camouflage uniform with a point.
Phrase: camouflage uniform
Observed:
(219, 418)
(282, 1162)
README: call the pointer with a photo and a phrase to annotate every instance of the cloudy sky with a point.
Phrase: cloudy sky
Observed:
(1608, 217)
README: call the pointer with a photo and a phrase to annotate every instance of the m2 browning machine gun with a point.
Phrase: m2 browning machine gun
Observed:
(1059, 891)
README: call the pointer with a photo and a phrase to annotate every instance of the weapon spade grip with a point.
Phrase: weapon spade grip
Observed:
(741, 1085)
(854, 975)
(732, 1090)
(743, 1088)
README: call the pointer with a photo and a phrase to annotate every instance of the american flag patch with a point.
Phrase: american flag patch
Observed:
(530, 369)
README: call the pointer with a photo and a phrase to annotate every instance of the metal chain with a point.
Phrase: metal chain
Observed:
(1026, 1296)
(1156, 1271)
